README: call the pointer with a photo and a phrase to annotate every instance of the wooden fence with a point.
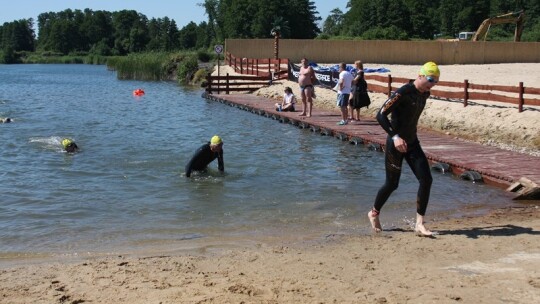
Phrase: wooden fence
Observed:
(230, 83)
(262, 71)
(465, 91)
(267, 70)
(274, 68)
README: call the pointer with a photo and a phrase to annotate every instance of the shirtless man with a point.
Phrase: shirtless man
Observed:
(306, 79)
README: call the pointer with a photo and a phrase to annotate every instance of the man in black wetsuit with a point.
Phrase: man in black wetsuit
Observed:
(205, 155)
(406, 105)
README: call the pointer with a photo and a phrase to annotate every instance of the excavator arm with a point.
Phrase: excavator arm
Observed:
(515, 17)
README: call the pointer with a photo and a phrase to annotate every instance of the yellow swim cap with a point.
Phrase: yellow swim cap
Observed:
(66, 142)
(216, 140)
(430, 69)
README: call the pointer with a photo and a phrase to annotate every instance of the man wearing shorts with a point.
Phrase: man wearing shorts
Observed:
(344, 90)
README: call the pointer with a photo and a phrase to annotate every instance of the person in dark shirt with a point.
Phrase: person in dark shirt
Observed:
(406, 105)
(205, 155)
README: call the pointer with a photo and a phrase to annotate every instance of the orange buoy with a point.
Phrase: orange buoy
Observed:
(138, 92)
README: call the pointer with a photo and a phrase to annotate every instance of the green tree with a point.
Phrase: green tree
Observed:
(127, 26)
(63, 36)
(359, 18)
(97, 28)
(333, 23)
(188, 36)
(423, 13)
(204, 36)
(387, 33)
(254, 18)
(302, 16)
(163, 35)
(213, 26)
(17, 35)
(155, 34)
(8, 55)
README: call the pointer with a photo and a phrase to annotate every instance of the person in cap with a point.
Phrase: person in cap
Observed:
(205, 155)
(69, 145)
(406, 105)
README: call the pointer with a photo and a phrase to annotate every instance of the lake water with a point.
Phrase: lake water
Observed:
(125, 192)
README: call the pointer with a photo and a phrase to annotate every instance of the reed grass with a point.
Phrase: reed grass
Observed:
(36, 58)
(143, 66)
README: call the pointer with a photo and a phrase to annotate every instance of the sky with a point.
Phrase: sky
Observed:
(182, 11)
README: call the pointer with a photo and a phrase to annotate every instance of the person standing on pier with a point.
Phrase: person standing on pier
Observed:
(359, 95)
(306, 79)
(344, 90)
(406, 105)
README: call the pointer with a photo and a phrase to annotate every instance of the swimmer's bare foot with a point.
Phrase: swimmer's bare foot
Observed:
(308, 115)
(373, 216)
(420, 229)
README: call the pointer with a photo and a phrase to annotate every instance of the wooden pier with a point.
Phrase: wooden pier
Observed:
(513, 171)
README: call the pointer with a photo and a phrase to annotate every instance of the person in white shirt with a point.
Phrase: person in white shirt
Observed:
(288, 101)
(344, 90)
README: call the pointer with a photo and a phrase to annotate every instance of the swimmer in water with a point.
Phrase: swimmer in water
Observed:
(69, 145)
(205, 155)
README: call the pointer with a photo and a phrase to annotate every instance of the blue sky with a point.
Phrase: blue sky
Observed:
(182, 11)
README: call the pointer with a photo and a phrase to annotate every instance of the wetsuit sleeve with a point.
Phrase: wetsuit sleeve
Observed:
(221, 165)
(388, 106)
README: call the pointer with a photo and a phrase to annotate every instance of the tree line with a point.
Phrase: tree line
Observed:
(428, 19)
(128, 31)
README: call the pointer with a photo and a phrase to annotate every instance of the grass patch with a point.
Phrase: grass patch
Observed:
(146, 66)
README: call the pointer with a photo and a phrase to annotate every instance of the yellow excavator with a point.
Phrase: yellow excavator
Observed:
(515, 17)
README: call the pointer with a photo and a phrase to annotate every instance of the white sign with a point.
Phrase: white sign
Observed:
(218, 48)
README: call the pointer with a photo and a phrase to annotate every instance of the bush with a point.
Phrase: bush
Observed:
(8, 56)
(203, 56)
(186, 69)
(323, 37)
(101, 48)
(387, 33)
(199, 76)
(95, 59)
(533, 34)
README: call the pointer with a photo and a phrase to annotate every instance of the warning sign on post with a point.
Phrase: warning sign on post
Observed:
(218, 48)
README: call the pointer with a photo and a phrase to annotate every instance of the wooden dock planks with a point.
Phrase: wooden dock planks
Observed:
(497, 166)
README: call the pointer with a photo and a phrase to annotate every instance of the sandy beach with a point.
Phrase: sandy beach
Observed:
(492, 258)
(489, 259)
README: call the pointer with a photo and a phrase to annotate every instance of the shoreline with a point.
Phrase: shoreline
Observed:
(482, 259)
(218, 243)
